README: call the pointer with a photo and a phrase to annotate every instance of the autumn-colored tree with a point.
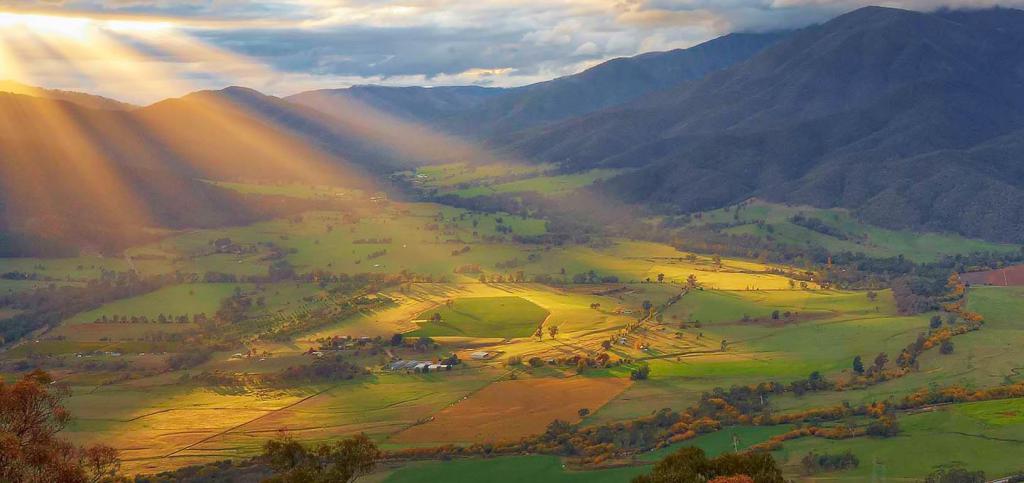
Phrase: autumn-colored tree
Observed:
(31, 415)
(553, 331)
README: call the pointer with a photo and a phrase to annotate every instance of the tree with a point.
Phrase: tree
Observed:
(539, 334)
(946, 348)
(935, 322)
(583, 412)
(872, 295)
(717, 260)
(647, 305)
(606, 344)
(880, 360)
(31, 415)
(691, 281)
(775, 315)
(858, 365)
(343, 461)
(552, 331)
(396, 339)
(661, 277)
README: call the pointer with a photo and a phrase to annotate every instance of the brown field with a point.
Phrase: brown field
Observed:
(1002, 277)
(509, 410)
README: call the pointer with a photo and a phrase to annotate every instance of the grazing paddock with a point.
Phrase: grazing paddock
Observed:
(174, 300)
(509, 410)
(506, 317)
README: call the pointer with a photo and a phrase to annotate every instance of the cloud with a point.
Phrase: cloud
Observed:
(324, 43)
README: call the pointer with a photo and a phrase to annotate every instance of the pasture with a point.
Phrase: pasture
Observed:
(847, 232)
(505, 317)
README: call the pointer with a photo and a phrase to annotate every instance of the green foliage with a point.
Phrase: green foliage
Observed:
(343, 461)
(641, 373)
(955, 473)
(691, 465)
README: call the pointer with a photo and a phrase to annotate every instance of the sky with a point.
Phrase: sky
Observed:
(144, 50)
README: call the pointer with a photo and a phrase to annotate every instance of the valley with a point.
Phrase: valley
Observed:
(792, 252)
(222, 353)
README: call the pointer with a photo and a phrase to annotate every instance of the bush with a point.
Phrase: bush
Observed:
(815, 463)
(640, 373)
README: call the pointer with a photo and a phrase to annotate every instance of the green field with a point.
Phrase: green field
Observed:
(560, 185)
(856, 236)
(927, 440)
(505, 317)
(174, 300)
(507, 469)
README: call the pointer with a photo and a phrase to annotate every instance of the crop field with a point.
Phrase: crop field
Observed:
(505, 317)
(509, 410)
(1003, 277)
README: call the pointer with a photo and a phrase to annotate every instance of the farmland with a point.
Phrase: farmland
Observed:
(504, 317)
(213, 350)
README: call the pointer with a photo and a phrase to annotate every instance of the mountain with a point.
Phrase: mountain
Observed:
(425, 104)
(82, 99)
(486, 113)
(914, 120)
(608, 84)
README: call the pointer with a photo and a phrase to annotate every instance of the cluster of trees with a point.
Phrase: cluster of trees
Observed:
(330, 368)
(199, 318)
(691, 464)
(339, 462)
(518, 277)
(955, 473)
(593, 277)
(372, 241)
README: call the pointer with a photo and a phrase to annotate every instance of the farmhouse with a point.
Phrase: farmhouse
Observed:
(480, 355)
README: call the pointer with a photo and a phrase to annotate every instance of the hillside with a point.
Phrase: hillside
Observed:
(608, 84)
(74, 177)
(910, 118)
(79, 98)
(413, 103)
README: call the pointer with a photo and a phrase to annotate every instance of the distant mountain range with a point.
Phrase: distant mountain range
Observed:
(913, 120)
